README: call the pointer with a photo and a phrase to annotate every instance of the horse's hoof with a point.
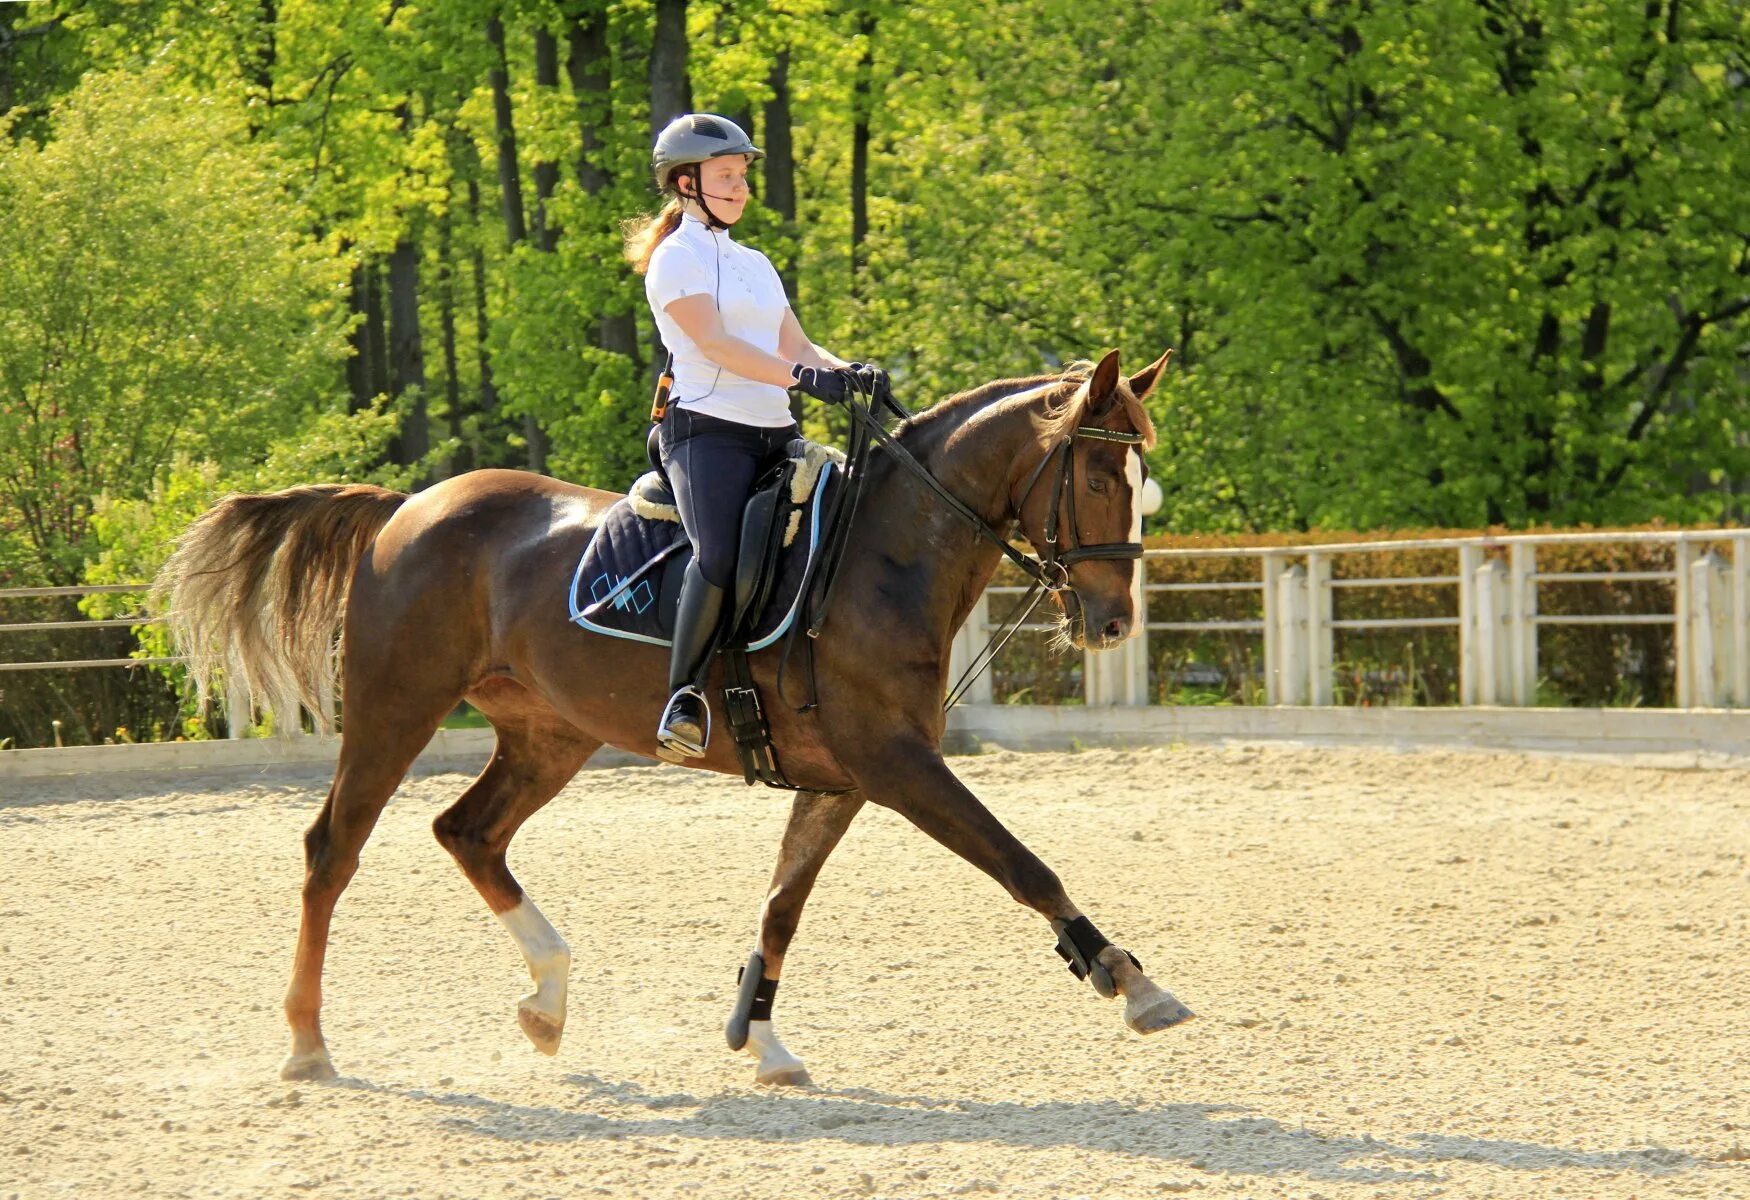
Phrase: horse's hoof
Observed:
(314, 1067)
(790, 1074)
(540, 1029)
(1162, 1014)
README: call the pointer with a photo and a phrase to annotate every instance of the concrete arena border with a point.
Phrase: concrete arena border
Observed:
(1683, 738)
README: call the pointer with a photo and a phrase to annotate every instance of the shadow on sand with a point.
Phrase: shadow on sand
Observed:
(1215, 1138)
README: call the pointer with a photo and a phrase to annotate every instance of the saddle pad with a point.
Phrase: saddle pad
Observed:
(627, 583)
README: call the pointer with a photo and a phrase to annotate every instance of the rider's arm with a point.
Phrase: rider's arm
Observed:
(698, 318)
(794, 345)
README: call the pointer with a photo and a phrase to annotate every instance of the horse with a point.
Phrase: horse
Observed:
(458, 593)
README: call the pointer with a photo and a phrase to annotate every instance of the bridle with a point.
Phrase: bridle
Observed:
(1049, 572)
(1055, 559)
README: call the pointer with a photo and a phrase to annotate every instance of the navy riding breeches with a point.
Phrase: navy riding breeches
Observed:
(711, 464)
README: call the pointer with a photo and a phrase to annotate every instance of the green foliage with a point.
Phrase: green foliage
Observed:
(160, 301)
(1456, 263)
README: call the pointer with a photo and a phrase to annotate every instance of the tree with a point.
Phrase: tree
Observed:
(160, 301)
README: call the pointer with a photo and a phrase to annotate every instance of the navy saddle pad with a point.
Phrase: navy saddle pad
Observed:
(628, 581)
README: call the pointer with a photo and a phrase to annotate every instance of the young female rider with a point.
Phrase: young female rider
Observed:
(737, 347)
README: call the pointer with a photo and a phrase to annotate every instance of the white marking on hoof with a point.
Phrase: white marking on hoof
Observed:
(541, 1013)
(313, 1067)
(776, 1064)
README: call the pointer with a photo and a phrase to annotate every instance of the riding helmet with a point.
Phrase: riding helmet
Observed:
(693, 138)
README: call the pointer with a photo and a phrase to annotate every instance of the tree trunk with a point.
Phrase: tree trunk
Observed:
(361, 377)
(780, 175)
(447, 322)
(546, 173)
(510, 185)
(406, 352)
(671, 94)
(377, 331)
(511, 189)
(587, 63)
(482, 327)
(260, 58)
(861, 103)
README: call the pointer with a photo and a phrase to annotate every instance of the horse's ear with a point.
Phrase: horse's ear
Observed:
(1144, 381)
(1103, 382)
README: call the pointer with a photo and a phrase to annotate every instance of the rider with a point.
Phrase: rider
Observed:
(737, 347)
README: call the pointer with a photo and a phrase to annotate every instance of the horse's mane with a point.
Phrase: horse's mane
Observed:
(1063, 404)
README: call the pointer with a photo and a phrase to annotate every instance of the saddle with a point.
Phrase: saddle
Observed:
(768, 524)
(628, 581)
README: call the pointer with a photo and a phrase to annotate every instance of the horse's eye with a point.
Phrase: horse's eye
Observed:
(1097, 485)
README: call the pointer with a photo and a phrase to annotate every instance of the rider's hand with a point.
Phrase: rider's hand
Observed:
(871, 380)
(820, 382)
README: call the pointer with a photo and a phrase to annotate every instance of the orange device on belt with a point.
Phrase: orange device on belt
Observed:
(665, 381)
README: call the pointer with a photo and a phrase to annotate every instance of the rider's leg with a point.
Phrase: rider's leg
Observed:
(711, 465)
(685, 725)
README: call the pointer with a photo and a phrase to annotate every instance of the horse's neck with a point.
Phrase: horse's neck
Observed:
(942, 562)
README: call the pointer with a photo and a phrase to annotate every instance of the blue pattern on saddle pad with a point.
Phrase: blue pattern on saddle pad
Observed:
(618, 586)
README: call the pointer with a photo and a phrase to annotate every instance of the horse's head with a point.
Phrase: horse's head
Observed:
(1081, 505)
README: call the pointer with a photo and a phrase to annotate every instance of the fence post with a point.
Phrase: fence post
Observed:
(1321, 638)
(237, 708)
(1470, 637)
(1490, 647)
(971, 640)
(1683, 638)
(1134, 664)
(1741, 622)
(1710, 639)
(1100, 682)
(1293, 654)
(1271, 566)
(1522, 622)
(1120, 675)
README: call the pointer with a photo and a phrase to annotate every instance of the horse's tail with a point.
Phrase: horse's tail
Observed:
(257, 587)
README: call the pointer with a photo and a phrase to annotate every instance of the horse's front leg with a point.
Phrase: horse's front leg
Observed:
(909, 776)
(817, 822)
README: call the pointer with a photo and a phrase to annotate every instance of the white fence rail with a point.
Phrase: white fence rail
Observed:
(1498, 583)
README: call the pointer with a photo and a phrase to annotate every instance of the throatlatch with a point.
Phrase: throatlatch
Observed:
(1080, 944)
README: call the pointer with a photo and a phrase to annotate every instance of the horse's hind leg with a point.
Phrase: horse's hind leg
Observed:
(909, 776)
(817, 822)
(379, 743)
(536, 755)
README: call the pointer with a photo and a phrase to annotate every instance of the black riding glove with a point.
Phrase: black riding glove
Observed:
(819, 382)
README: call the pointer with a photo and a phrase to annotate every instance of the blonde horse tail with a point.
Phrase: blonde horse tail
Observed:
(257, 587)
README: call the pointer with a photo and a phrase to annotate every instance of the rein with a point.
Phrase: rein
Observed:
(1049, 573)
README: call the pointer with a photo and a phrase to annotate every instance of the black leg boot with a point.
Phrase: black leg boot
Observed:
(686, 722)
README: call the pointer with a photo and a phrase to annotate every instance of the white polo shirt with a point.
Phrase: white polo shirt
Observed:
(697, 260)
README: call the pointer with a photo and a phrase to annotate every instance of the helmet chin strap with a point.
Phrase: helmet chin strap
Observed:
(711, 218)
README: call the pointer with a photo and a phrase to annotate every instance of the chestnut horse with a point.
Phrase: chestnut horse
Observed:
(459, 593)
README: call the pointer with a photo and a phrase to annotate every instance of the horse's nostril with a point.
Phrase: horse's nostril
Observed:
(1115, 629)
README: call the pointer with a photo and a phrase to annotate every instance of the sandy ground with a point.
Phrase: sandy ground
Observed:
(1432, 974)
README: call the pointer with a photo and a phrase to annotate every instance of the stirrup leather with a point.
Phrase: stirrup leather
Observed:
(669, 740)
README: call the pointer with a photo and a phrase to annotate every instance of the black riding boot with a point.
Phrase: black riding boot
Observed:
(686, 722)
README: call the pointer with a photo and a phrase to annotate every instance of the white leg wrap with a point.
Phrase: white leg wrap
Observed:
(548, 956)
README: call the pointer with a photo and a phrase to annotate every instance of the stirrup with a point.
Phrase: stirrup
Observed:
(681, 747)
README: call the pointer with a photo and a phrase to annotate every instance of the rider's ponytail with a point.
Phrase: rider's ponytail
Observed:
(644, 234)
